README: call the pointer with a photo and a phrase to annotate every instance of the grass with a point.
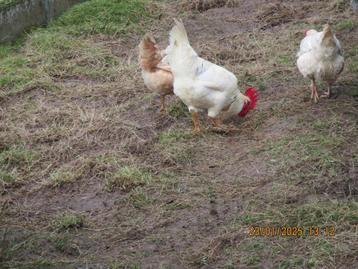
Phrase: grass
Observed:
(15, 161)
(306, 155)
(346, 25)
(127, 178)
(61, 177)
(8, 3)
(104, 17)
(16, 155)
(178, 110)
(68, 221)
(176, 146)
(173, 136)
(7, 177)
(63, 50)
(321, 214)
(340, 215)
(140, 199)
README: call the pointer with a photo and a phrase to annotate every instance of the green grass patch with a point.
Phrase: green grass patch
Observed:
(172, 136)
(140, 199)
(285, 59)
(8, 3)
(62, 242)
(65, 50)
(68, 221)
(178, 110)
(175, 146)
(14, 161)
(110, 17)
(127, 178)
(353, 67)
(16, 156)
(61, 177)
(340, 214)
(346, 25)
(7, 177)
(15, 73)
(306, 251)
(307, 155)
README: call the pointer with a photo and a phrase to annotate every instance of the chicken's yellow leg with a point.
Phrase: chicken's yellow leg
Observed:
(162, 103)
(196, 123)
(314, 93)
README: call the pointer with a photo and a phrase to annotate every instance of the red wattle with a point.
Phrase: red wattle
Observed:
(253, 94)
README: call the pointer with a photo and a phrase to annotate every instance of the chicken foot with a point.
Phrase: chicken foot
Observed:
(220, 127)
(216, 122)
(328, 93)
(314, 93)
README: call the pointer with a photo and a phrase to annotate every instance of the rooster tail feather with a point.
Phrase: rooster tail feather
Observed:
(149, 54)
(252, 94)
(178, 34)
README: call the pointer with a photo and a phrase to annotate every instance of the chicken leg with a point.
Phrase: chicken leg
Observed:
(162, 103)
(196, 122)
(314, 93)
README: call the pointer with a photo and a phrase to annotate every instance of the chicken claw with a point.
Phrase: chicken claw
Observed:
(327, 94)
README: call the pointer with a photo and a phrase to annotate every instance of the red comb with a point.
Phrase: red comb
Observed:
(253, 94)
(306, 32)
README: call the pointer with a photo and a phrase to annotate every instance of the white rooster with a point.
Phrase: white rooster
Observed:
(320, 58)
(202, 85)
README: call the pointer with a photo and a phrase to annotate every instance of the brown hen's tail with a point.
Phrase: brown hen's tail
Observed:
(149, 53)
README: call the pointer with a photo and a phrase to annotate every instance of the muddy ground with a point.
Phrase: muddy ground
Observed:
(112, 183)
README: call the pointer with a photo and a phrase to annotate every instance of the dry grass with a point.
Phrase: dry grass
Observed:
(92, 174)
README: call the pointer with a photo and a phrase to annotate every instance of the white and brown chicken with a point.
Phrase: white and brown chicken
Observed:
(320, 59)
(156, 72)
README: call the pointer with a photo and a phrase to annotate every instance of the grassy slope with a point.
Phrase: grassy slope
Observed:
(91, 173)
